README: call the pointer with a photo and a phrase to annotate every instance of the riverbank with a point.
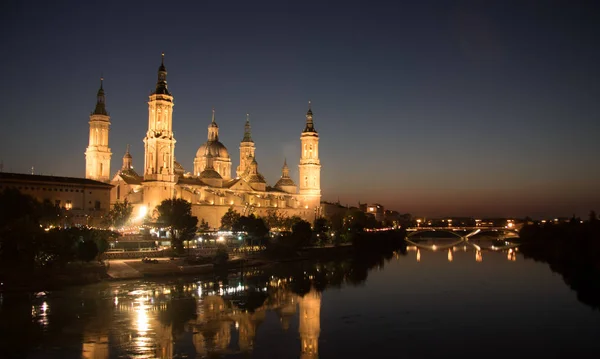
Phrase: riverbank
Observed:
(120, 269)
(80, 273)
(365, 245)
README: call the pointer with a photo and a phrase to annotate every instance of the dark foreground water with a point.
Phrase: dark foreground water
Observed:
(426, 304)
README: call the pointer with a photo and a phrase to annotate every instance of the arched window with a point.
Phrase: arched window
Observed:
(305, 181)
(305, 150)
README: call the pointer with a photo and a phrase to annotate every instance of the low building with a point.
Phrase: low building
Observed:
(374, 209)
(86, 201)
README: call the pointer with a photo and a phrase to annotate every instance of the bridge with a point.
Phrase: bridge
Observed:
(500, 237)
(460, 228)
(465, 232)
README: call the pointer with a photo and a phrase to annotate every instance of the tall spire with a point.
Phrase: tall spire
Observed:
(309, 120)
(161, 84)
(213, 116)
(101, 101)
(247, 132)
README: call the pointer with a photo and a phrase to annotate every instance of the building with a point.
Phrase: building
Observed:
(377, 210)
(85, 201)
(209, 186)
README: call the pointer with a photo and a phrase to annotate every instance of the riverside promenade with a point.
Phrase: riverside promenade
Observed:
(135, 268)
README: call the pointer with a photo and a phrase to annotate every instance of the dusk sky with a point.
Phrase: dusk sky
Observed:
(437, 108)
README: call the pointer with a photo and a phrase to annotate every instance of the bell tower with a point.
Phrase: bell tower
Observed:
(310, 166)
(97, 154)
(159, 144)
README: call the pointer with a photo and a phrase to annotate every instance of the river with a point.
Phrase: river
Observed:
(423, 304)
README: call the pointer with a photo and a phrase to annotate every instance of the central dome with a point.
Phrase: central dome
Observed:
(215, 148)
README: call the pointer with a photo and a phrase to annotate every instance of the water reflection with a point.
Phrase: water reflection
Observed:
(276, 311)
(478, 246)
(220, 318)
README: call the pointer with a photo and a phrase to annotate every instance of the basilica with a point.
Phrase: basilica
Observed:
(210, 186)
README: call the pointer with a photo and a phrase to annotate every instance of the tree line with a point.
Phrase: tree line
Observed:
(32, 240)
(571, 249)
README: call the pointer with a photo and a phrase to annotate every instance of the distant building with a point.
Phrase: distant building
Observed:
(374, 209)
(330, 210)
(86, 201)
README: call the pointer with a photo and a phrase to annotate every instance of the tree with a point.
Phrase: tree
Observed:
(87, 250)
(229, 219)
(20, 232)
(203, 226)
(221, 256)
(176, 214)
(320, 230)
(289, 222)
(49, 214)
(274, 219)
(355, 221)
(321, 225)
(253, 226)
(119, 214)
(302, 232)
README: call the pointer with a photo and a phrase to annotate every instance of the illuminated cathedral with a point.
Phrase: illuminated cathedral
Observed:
(210, 186)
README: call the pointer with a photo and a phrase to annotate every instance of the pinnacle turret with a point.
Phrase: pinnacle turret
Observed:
(101, 101)
(127, 160)
(161, 83)
(213, 128)
(247, 131)
(309, 120)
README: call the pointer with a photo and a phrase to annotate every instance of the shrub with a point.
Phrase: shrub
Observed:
(221, 256)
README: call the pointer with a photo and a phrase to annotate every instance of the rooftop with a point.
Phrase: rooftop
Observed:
(22, 177)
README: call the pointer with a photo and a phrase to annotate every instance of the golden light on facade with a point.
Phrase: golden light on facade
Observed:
(142, 212)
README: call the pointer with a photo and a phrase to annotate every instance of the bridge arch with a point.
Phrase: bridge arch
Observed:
(434, 230)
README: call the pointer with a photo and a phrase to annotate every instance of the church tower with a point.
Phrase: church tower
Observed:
(159, 143)
(310, 166)
(246, 149)
(97, 154)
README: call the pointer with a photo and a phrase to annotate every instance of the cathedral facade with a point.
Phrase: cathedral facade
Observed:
(209, 184)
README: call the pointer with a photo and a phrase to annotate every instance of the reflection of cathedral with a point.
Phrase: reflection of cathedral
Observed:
(210, 186)
(139, 330)
(95, 346)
